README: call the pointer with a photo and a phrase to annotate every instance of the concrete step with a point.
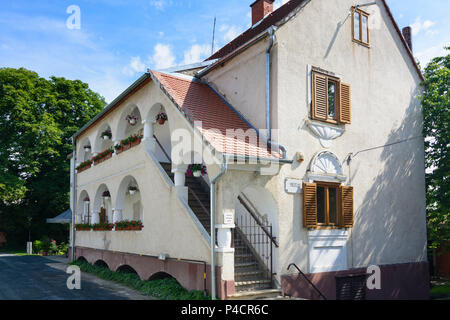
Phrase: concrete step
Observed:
(252, 283)
(266, 294)
(245, 264)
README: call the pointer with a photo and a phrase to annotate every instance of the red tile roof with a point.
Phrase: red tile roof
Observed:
(200, 103)
(277, 16)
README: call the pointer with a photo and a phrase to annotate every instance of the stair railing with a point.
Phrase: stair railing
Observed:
(307, 279)
(258, 235)
(162, 148)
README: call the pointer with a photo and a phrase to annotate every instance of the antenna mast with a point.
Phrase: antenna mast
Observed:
(214, 35)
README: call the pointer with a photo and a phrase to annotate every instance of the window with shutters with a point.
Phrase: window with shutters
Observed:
(360, 26)
(327, 205)
(331, 99)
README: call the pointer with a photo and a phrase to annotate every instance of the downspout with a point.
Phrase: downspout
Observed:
(213, 226)
(271, 32)
(74, 195)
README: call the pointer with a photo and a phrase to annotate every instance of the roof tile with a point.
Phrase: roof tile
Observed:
(201, 104)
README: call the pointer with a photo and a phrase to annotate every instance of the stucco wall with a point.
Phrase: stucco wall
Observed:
(168, 228)
(389, 182)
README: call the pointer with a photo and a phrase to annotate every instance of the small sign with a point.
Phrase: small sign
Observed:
(294, 186)
(228, 218)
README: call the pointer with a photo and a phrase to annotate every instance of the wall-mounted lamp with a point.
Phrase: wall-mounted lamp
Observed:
(299, 157)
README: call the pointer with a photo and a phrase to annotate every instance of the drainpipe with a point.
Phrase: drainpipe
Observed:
(74, 195)
(213, 226)
(271, 32)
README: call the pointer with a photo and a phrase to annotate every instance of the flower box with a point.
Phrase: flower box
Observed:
(103, 227)
(102, 157)
(129, 226)
(84, 166)
(83, 227)
(128, 143)
(139, 228)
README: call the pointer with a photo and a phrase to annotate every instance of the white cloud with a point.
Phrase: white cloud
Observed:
(418, 26)
(136, 65)
(162, 57)
(196, 53)
(160, 4)
(230, 32)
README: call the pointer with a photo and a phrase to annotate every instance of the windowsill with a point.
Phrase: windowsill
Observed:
(362, 43)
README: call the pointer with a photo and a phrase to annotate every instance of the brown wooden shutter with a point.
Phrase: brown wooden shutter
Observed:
(310, 205)
(345, 115)
(346, 202)
(320, 97)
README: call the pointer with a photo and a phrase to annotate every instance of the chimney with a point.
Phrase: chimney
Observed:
(407, 34)
(260, 8)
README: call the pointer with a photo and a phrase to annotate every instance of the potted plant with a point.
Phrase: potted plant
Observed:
(106, 195)
(45, 247)
(129, 226)
(132, 190)
(135, 140)
(87, 149)
(105, 155)
(107, 135)
(161, 118)
(84, 166)
(132, 119)
(83, 227)
(103, 227)
(196, 170)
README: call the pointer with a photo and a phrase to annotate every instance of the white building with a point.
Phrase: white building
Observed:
(340, 186)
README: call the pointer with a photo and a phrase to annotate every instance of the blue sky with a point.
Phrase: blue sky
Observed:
(119, 39)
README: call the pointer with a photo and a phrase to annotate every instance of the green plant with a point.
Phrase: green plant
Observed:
(103, 227)
(37, 246)
(62, 248)
(107, 133)
(129, 225)
(85, 164)
(46, 245)
(83, 226)
(103, 154)
(163, 289)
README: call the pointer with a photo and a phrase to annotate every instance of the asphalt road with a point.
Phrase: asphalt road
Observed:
(41, 278)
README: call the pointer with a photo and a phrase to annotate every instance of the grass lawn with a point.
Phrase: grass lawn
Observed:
(440, 290)
(164, 289)
(17, 252)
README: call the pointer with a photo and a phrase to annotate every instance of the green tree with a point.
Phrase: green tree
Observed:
(37, 120)
(436, 108)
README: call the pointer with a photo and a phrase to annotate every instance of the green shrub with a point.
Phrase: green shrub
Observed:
(37, 246)
(163, 289)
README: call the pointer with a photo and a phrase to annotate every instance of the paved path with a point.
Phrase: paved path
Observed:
(42, 278)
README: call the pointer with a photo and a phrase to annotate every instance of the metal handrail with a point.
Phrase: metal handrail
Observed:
(164, 151)
(309, 281)
(260, 224)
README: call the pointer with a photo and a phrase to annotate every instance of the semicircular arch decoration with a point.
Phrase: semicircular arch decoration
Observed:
(327, 167)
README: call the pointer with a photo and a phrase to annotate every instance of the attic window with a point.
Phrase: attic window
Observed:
(360, 26)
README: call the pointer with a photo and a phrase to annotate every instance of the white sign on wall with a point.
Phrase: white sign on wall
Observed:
(294, 186)
(228, 218)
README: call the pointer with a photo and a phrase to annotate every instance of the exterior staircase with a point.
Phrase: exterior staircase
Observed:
(252, 279)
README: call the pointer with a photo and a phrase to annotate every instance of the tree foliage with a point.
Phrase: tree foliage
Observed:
(38, 117)
(436, 108)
